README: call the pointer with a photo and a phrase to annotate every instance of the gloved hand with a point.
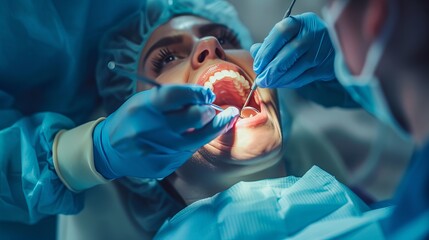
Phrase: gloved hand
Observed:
(296, 52)
(156, 131)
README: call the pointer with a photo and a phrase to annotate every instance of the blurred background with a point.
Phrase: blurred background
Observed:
(354, 133)
(260, 16)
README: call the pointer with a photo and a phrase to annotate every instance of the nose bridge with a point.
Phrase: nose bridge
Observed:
(207, 48)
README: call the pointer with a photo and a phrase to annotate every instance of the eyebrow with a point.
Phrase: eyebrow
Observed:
(208, 28)
(162, 43)
(203, 30)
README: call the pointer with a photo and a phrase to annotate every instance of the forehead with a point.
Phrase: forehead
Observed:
(175, 26)
(185, 23)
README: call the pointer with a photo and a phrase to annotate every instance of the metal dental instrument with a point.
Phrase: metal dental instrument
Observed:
(254, 86)
(122, 71)
(289, 10)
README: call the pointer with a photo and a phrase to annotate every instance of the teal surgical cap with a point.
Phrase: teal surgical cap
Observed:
(124, 44)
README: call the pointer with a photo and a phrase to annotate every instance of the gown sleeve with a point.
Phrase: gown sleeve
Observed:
(30, 189)
(48, 53)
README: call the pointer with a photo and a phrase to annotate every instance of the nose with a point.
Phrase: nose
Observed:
(207, 48)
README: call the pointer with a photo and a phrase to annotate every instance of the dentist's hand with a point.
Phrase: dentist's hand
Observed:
(156, 131)
(296, 52)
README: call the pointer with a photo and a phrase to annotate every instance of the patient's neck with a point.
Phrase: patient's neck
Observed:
(194, 191)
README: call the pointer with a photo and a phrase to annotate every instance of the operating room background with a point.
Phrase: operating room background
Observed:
(353, 132)
(260, 16)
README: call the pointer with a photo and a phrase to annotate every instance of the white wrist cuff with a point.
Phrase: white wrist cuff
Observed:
(73, 157)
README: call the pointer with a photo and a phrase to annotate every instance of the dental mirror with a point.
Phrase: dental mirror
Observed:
(248, 112)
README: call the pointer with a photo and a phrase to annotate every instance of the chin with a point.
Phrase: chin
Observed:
(255, 142)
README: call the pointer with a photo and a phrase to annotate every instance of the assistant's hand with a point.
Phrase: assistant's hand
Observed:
(156, 131)
(296, 52)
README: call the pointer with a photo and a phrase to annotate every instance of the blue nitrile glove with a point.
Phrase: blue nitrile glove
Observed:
(156, 131)
(296, 52)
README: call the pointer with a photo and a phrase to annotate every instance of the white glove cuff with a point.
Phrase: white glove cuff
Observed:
(74, 159)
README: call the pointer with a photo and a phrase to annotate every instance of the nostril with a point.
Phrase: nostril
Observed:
(203, 56)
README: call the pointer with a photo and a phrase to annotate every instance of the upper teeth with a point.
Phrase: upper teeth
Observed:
(226, 73)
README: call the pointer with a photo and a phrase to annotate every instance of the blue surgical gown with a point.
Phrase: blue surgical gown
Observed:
(48, 53)
(411, 217)
(315, 206)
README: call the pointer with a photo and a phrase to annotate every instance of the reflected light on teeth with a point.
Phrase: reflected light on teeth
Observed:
(240, 82)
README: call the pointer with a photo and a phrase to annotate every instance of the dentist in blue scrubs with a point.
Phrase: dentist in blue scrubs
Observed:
(51, 149)
(378, 51)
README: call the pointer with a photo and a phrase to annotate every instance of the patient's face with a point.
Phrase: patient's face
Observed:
(192, 50)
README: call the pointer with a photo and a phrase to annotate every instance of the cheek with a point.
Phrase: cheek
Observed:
(179, 74)
(352, 42)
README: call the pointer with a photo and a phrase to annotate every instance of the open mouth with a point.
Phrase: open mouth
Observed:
(231, 86)
(252, 135)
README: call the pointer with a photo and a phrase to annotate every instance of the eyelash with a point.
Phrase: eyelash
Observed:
(230, 36)
(159, 61)
(225, 36)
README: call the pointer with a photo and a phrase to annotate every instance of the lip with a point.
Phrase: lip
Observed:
(210, 71)
(231, 146)
(255, 121)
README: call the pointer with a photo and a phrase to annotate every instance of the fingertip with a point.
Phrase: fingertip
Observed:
(256, 70)
(226, 116)
(306, 15)
(208, 95)
(211, 96)
(220, 124)
(228, 113)
(257, 62)
(258, 81)
(233, 111)
(233, 114)
(256, 65)
(261, 80)
(292, 23)
(235, 118)
(254, 49)
(207, 113)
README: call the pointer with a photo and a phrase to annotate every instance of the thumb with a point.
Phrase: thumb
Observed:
(220, 124)
(227, 118)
